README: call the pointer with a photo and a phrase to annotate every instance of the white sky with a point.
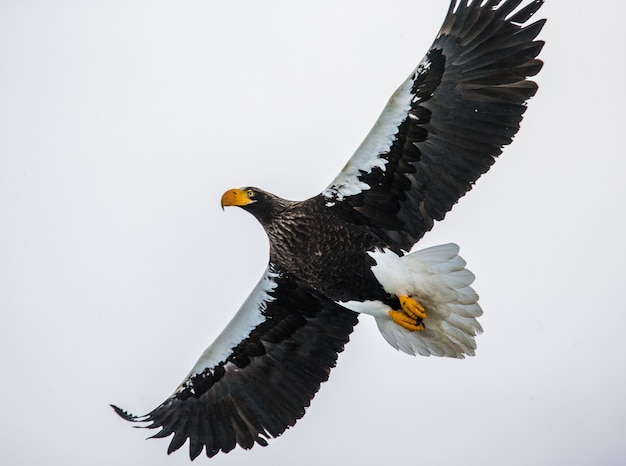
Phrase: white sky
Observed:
(121, 123)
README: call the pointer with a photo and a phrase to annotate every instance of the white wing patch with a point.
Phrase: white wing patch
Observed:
(249, 316)
(377, 143)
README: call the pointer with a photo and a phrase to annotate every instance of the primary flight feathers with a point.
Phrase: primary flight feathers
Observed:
(345, 251)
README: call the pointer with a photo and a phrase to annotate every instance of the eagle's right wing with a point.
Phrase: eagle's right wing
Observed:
(260, 374)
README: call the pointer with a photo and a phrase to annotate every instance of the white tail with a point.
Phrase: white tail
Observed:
(437, 278)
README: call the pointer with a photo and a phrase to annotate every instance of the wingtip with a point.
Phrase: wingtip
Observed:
(124, 414)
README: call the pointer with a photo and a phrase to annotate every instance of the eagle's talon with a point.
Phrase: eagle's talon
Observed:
(412, 307)
(406, 321)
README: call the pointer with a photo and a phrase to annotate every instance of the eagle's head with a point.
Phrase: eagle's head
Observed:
(263, 205)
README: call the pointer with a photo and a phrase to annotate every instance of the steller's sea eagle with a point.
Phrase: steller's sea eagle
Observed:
(345, 251)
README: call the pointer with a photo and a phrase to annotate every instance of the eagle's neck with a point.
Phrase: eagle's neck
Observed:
(288, 231)
(270, 210)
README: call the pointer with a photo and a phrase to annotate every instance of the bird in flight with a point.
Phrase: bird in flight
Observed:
(346, 251)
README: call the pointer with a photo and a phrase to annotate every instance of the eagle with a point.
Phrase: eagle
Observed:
(348, 250)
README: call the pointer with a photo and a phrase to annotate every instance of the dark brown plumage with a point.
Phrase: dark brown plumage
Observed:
(312, 243)
(344, 250)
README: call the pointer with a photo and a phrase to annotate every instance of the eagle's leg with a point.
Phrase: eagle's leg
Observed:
(411, 315)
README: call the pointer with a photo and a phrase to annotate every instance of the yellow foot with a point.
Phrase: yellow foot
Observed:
(412, 307)
(411, 315)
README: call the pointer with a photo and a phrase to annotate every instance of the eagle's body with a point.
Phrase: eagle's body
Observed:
(346, 250)
(322, 240)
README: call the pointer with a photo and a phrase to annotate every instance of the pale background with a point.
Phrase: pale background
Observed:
(122, 122)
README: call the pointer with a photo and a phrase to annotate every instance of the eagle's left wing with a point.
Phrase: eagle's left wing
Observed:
(444, 126)
(260, 374)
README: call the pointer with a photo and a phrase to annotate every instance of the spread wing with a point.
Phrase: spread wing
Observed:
(444, 126)
(259, 375)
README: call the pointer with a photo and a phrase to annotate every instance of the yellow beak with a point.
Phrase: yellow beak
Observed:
(235, 197)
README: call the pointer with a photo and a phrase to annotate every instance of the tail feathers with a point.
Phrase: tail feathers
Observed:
(439, 281)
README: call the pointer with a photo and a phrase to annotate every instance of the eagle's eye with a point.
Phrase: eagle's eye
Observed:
(250, 193)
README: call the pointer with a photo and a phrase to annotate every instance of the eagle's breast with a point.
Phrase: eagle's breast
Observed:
(329, 255)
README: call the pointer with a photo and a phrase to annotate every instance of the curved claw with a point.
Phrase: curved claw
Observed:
(412, 307)
(403, 320)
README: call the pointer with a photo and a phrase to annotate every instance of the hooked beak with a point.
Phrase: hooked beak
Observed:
(235, 197)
